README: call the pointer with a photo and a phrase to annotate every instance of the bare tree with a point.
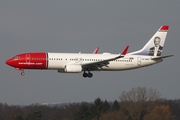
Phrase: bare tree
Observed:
(160, 112)
(138, 102)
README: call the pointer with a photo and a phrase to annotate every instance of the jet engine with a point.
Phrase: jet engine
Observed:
(73, 68)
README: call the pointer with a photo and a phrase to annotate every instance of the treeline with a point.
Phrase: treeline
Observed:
(137, 104)
(70, 111)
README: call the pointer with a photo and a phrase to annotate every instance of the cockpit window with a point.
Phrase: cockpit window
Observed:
(16, 57)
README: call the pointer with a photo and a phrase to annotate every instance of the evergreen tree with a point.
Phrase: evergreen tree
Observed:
(115, 106)
(34, 116)
(105, 106)
(84, 113)
(98, 103)
(19, 117)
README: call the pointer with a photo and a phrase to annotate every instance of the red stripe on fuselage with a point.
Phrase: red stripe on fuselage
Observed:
(39, 59)
(29, 61)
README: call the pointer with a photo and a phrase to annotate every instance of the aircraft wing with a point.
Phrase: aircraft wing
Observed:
(97, 65)
(161, 57)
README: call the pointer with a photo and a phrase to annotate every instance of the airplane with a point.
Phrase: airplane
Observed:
(84, 62)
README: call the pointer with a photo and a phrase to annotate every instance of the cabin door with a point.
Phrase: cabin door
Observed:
(28, 58)
(139, 61)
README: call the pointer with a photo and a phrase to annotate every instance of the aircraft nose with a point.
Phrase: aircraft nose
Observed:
(8, 62)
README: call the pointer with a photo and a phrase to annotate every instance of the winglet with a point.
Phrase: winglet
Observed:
(125, 51)
(96, 50)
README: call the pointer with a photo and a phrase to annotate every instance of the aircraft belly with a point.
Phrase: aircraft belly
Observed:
(55, 65)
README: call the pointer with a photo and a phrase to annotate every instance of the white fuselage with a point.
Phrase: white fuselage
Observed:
(59, 60)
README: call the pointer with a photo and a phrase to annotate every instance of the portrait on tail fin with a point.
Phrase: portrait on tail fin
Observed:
(157, 49)
(155, 45)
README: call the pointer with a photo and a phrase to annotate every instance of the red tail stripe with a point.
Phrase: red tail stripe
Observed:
(165, 27)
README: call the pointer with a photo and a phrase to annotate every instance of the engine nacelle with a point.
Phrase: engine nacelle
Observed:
(73, 68)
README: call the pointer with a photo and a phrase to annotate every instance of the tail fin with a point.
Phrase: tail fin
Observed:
(155, 45)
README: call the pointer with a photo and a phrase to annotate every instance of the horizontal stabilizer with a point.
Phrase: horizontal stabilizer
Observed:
(161, 57)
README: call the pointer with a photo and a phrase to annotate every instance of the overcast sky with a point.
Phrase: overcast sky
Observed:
(83, 25)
